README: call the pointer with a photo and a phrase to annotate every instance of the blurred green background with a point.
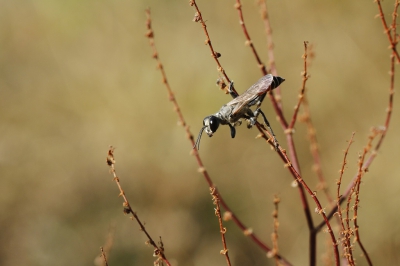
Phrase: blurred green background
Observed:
(77, 76)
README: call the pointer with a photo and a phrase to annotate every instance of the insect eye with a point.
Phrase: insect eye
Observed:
(213, 123)
(206, 121)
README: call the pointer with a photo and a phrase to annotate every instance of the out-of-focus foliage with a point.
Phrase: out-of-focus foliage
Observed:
(77, 76)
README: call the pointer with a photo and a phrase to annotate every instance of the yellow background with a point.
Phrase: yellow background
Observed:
(77, 76)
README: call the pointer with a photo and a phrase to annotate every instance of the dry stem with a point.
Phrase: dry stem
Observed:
(249, 42)
(270, 49)
(344, 232)
(274, 235)
(222, 229)
(158, 252)
(305, 76)
(392, 39)
(292, 150)
(199, 18)
(357, 184)
(385, 128)
(319, 209)
(103, 254)
(270, 43)
(306, 118)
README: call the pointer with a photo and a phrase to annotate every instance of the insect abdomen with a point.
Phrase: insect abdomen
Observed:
(276, 81)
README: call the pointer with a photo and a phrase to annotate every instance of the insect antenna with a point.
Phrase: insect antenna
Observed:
(197, 144)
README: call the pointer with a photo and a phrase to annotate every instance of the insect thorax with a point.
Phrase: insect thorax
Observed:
(225, 114)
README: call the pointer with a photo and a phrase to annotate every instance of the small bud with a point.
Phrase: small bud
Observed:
(223, 252)
(149, 34)
(127, 210)
(217, 55)
(271, 254)
(201, 169)
(197, 17)
(227, 216)
(248, 231)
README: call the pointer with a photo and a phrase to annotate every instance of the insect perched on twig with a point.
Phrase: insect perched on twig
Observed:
(231, 113)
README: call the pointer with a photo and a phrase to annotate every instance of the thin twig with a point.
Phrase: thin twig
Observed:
(270, 49)
(270, 43)
(278, 109)
(274, 235)
(348, 232)
(299, 179)
(158, 252)
(344, 232)
(199, 18)
(182, 122)
(289, 138)
(314, 149)
(392, 67)
(276, 101)
(306, 118)
(103, 254)
(159, 261)
(261, 65)
(392, 39)
(385, 128)
(107, 246)
(305, 76)
(222, 229)
(249, 42)
(357, 184)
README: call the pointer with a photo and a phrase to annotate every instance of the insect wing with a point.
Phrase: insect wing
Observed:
(257, 89)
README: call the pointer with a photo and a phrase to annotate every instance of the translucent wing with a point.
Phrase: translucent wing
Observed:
(257, 89)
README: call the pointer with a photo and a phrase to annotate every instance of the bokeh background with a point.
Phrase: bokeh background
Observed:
(77, 76)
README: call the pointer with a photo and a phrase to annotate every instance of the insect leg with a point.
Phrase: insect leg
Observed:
(233, 130)
(276, 144)
(232, 92)
(254, 115)
(251, 119)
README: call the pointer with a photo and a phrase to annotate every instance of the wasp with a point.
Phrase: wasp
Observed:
(239, 108)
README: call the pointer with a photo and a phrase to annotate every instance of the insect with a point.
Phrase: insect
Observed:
(231, 113)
